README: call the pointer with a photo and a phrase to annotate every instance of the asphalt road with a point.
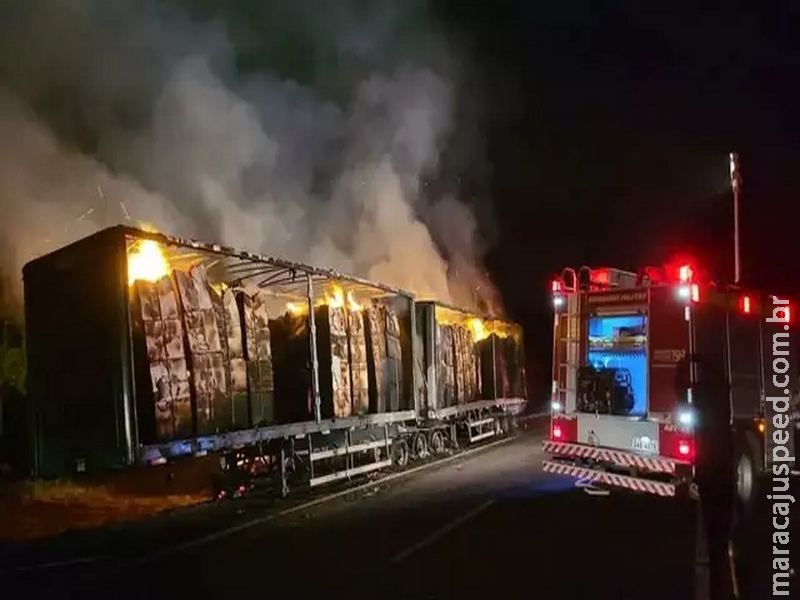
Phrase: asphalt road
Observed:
(487, 523)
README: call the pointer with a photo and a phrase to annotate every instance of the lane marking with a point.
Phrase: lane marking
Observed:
(57, 565)
(217, 535)
(441, 532)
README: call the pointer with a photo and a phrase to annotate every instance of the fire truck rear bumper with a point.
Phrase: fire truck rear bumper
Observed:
(637, 484)
(617, 458)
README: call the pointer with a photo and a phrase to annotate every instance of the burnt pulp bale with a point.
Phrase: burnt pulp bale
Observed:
(502, 383)
(445, 375)
(292, 358)
(332, 324)
(159, 334)
(205, 348)
(359, 375)
(492, 371)
(257, 353)
(375, 317)
(384, 358)
(394, 360)
(512, 354)
(233, 343)
(465, 365)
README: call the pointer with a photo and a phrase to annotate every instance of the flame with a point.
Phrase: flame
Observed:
(335, 298)
(296, 308)
(352, 303)
(478, 329)
(338, 299)
(146, 262)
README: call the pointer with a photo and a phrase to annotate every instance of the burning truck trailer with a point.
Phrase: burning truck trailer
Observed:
(145, 348)
(471, 370)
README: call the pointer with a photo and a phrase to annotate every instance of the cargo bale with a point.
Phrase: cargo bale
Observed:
(358, 361)
(258, 355)
(377, 365)
(202, 322)
(515, 368)
(486, 360)
(292, 364)
(445, 355)
(159, 346)
(237, 366)
(465, 365)
(394, 359)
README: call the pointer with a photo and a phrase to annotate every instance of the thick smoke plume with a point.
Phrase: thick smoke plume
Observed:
(306, 131)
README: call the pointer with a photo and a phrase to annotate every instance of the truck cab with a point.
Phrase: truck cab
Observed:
(630, 352)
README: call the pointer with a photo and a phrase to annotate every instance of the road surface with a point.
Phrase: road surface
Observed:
(487, 523)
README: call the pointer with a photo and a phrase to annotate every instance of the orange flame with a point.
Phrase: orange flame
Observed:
(336, 298)
(146, 262)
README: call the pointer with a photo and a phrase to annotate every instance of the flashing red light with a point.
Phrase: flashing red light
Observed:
(557, 433)
(686, 449)
(685, 273)
(556, 286)
(746, 305)
(601, 276)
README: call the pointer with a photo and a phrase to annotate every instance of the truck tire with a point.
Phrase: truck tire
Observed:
(748, 465)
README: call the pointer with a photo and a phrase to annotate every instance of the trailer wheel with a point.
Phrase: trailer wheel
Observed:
(420, 445)
(437, 442)
(748, 466)
(400, 453)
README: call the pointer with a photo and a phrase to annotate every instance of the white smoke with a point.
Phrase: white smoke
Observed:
(327, 172)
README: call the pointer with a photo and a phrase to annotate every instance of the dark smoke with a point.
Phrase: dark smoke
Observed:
(297, 128)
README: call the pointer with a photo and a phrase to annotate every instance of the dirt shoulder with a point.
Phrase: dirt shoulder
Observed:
(37, 509)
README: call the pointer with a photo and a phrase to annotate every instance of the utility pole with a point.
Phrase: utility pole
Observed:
(736, 184)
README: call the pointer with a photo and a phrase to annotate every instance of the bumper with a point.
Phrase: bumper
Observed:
(637, 484)
(658, 475)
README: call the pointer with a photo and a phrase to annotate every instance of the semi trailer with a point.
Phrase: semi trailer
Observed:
(145, 348)
(630, 352)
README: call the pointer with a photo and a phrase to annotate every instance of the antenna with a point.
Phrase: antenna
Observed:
(736, 184)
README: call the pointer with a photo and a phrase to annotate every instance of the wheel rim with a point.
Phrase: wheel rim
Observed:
(744, 478)
(437, 442)
(400, 455)
(421, 446)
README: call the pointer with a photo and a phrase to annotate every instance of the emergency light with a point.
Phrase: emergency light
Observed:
(687, 417)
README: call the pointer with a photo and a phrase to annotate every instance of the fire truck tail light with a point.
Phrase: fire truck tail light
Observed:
(557, 433)
(685, 273)
(746, 305)
(684, 450)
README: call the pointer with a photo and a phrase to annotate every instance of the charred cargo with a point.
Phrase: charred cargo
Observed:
(143, 348)
(168, 341)
(468, 358)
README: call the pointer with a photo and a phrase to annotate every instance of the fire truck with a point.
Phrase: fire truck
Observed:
(626, 347)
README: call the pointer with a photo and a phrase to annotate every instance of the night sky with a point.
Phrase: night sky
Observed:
(609, 127)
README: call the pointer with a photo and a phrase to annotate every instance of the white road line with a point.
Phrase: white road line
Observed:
(441, 532)
(58, 564)
(293, 509)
